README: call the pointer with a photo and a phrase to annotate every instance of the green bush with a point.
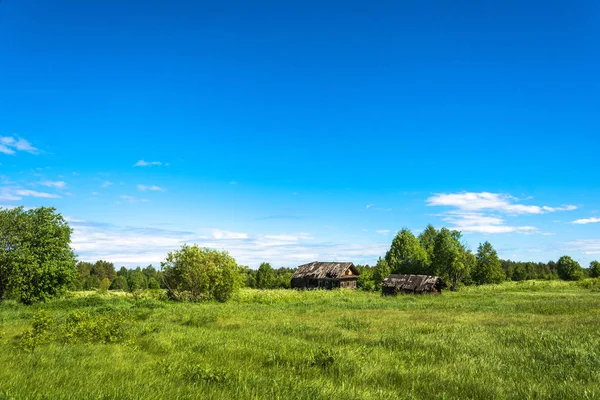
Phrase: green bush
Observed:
(193, 274)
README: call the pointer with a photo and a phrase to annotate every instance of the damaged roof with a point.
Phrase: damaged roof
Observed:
(323, 270)
(416, 283)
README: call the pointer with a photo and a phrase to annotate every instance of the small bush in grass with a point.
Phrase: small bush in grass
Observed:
(104, 285)
(193, 273)
(81, 326)
(39, 333)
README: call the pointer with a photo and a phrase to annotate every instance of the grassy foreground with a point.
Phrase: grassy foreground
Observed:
(538, 340)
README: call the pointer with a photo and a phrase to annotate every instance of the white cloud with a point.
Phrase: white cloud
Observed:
(7, 194)
(133, 199)
(106, 184)
(584, 221)
(33, 193)
(10, 145)
(585, 246)
(369, 206)
(54, 184)
(142, 163)
(134, 246)
(383, 231)
(473, 212)
(220, 234)
(152, 188)
(470, 201)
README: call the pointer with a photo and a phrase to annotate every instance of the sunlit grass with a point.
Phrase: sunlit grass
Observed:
(515, 340)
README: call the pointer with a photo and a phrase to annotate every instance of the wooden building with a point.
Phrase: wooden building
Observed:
(394, 284)
(325, 275)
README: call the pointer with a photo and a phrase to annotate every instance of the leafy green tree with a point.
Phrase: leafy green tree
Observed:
(104, 285)
(103, 269)
(248, 276)
(406, 255)
(569, 269)
(380, 272)
(153, 283)
(122, 271)
(120, 283)
(489, 267)
(427, 240)
(199, 273)
(265, 277)
(450, 259)
(594, 270)
(136, 280)
(36, 260)
(365, 280)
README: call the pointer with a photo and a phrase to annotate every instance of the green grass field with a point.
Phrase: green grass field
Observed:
(537, 340)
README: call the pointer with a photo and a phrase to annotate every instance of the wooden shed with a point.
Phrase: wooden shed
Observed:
(325, 275)
(394, 284)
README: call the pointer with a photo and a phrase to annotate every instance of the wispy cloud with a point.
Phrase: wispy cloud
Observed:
(152, 188)
(142, 163)
(478, 212)
(106, 184)
(33, 193)
(585, 246)
(369, 206)
(220, 234)
(54, 184)
(469, 201)
(584, 221)
(133, 199)
(383, 231)
(131, 246)
(10, 145)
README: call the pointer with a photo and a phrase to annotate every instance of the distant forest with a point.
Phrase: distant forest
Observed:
(434, 252)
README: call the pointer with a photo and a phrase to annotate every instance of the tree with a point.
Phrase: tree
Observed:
(120, 283)
(36, 260)
(406, 255)
(594, 269)
(450, 259)
(265, 277)
(380, 272)
(365, 280)
(104, 269)
(489, 267)
(569, 269)
(196, 273)
(427, 240)
(136, 280)
(104, 285)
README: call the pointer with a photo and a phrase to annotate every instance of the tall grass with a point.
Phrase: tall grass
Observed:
(530, 340)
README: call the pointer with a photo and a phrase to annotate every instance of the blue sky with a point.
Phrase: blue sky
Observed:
(297, 131)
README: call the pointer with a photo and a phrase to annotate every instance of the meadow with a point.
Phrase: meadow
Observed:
(527, 340)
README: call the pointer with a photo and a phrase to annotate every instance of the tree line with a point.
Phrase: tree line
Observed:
(444, 253)
(37, 263)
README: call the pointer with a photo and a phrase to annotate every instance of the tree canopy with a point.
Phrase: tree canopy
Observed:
(488, 268)
(569, 269)
(36, 260)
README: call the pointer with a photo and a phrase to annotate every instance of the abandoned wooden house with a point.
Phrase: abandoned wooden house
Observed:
(394, 284)
(325, 275)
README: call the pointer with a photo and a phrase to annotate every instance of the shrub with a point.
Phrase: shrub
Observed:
(193, 273)
(104, 285)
